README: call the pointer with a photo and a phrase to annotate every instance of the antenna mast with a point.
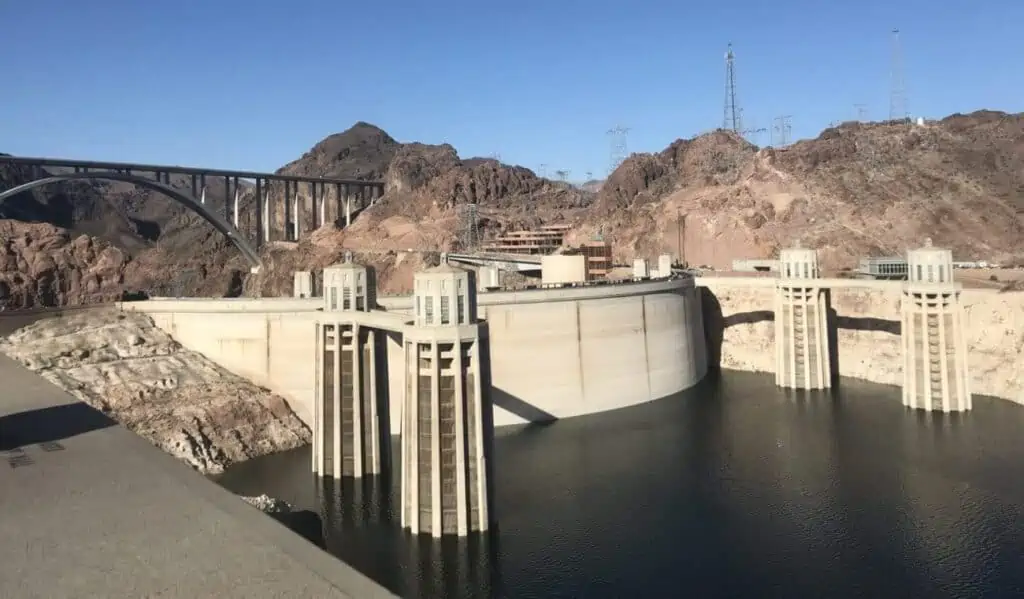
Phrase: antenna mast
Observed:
(731, 117)
(897, 86)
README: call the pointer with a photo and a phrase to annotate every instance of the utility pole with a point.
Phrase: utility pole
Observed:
(731, 118)
(782, 129)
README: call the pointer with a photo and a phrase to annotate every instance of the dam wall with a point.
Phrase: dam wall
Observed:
(555, 353)
(864, 325)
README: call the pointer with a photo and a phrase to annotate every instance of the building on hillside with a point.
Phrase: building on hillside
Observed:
(883, 268)
(598, 255)
(544, 240)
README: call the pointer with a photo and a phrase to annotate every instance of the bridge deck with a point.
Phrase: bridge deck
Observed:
(178, 170)
(106, 514)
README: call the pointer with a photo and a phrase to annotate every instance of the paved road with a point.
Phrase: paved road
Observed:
(89, 509)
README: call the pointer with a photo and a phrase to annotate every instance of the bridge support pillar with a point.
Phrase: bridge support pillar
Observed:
(446, 436)
(265, 207)
(935, 375)
(295, 214)
(802, 358)
(348, 211)
(321, 208)
(347, 438)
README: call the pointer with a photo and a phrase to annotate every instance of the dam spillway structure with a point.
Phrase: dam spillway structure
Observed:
(801, 323)
(444, 432)
(934, 345)
(346, 420)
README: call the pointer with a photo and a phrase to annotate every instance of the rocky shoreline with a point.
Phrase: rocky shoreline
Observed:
(123, 365)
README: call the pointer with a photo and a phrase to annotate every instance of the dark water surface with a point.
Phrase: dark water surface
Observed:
(731, 489)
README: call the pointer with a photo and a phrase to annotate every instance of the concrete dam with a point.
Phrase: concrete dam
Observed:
(555, 353)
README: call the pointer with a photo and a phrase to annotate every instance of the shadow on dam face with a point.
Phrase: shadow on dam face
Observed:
(523, 409)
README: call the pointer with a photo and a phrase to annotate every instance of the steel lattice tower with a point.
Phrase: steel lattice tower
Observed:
(897, 86)
(731, 118)
(469, 227)
(618, 150)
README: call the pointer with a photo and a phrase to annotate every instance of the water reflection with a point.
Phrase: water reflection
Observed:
(734, 489)
(363, 527)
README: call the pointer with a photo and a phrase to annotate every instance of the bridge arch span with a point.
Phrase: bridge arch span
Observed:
(225, 228)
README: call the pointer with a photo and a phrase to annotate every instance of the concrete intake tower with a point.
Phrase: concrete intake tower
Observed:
(801, 323)
(347, 437)
(445, 432)
(934, 346)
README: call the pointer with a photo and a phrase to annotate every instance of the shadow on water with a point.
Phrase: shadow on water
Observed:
(49, 425)
(731, 489)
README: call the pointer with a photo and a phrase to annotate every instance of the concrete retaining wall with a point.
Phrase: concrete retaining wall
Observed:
(555, 353)
(865, 332)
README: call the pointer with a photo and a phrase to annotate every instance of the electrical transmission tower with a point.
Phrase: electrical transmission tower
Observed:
(469, 227)
(543, 170)
(731, 119)
(862, 112)
(563, 175)
(897, 86)
(618, 150)
(590, 176)
(781, 130)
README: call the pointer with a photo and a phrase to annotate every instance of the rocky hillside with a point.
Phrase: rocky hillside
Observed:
(43, 265)
(122, 364)
(424, 185)
(858, 189)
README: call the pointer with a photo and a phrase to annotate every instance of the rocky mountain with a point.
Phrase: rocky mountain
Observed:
(857, 189)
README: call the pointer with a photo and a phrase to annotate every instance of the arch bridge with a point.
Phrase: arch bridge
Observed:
(328, 200)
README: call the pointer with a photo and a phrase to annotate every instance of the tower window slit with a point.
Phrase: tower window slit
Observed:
(445, 311)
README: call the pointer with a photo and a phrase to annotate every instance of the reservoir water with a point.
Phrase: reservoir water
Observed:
(732, 489)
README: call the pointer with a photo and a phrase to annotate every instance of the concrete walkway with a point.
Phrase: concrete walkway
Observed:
(89, 509)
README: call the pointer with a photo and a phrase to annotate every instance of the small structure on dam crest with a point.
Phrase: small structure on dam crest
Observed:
(934, 346)
(347, 430)
(444, 435)
(801, 323)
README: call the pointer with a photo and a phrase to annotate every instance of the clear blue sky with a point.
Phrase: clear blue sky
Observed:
(253, 84)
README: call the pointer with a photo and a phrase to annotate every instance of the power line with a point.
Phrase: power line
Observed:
(781, 130)
(618, 149)
(731, 118)
(753, 133)
(897, 85)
